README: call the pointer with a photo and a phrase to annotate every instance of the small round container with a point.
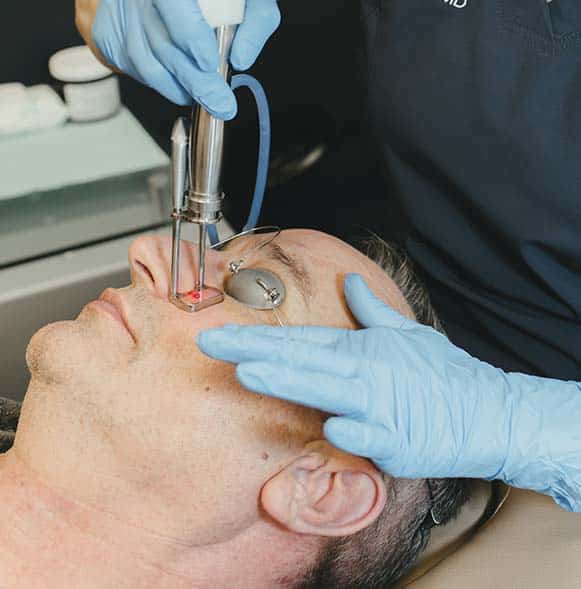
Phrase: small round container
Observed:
(90, 89)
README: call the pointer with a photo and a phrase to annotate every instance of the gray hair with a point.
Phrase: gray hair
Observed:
(380, 555)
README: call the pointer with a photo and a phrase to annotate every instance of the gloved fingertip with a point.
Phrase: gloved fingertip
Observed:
(202, 340)
(357, 291)
(212, 341)
(225, 109)
(228, 116)
(353, 280)
(359, 438)
(244, 54)
(240, 64)
(367, 308)
(338, 432)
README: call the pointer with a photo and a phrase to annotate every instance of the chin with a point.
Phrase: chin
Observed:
(50, 350)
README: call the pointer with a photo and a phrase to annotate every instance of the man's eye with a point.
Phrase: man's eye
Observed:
(257, 288)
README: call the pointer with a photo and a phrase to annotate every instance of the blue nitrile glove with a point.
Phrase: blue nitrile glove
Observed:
(167, 44)
(414, 403)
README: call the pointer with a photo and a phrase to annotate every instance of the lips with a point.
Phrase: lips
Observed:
(112, 303)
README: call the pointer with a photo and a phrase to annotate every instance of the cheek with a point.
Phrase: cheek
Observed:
(175, 378)
(330, 310)
(170, 382)
(176, 331)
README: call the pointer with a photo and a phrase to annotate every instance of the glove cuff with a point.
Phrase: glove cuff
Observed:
(544, 448)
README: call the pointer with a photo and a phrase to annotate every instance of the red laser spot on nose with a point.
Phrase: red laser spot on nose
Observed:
(197, 295)
(193, 295)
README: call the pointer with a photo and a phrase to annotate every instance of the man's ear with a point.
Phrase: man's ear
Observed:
(325, 492)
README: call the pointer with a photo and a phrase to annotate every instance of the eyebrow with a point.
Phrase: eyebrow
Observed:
(297, 270)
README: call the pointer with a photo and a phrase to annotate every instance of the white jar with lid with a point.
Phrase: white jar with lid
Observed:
(90, 89)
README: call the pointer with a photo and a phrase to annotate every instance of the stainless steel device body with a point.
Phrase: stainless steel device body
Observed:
(197, 156)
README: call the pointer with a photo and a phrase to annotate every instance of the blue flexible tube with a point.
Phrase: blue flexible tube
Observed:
(241, 81)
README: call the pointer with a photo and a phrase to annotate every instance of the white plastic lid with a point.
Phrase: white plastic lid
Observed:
(77, 64)
(223, 12)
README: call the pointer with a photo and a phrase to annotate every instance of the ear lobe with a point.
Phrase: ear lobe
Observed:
(325, 494)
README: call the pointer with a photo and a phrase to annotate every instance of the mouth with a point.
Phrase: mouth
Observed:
(111, 302)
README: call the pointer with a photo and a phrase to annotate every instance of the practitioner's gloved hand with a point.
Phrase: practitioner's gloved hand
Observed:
(9, 415)
(167, 44)
(412, 402)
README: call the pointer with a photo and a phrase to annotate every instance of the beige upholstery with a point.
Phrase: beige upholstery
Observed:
(530, 544)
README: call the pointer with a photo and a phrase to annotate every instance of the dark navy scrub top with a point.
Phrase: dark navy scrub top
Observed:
(477, 105)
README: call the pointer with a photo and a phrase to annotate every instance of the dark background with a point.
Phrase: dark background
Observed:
(313, 70)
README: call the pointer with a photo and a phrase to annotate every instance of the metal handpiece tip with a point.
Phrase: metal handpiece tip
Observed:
(175, 255)
(197, 300)
(203, 236)
(201, 297)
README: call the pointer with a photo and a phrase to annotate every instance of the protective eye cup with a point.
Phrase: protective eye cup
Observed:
(257, 288)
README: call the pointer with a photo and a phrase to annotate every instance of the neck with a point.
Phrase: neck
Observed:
(49, 540)
(61, 542)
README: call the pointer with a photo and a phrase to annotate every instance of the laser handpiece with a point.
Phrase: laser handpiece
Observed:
(197, 154)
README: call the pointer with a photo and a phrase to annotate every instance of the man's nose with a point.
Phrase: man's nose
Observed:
(150, 263)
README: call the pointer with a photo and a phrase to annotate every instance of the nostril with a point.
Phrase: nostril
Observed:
(143, 269)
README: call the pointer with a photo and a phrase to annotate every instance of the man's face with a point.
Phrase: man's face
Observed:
(130, 372)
